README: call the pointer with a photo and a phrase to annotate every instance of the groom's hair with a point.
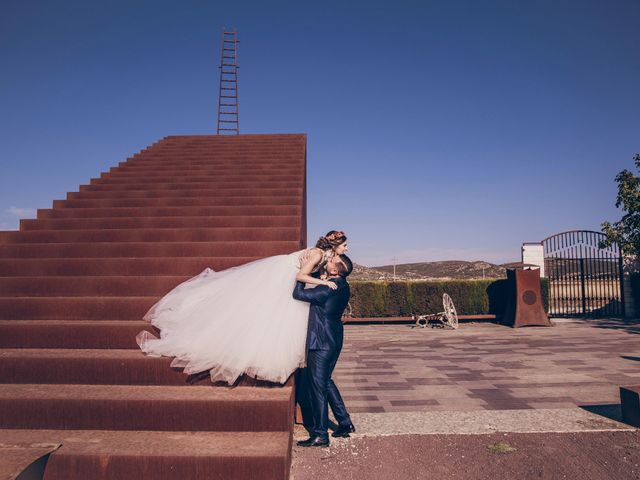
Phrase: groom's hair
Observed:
(345, 267)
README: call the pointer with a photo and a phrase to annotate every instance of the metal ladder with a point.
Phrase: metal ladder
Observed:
(228, 115)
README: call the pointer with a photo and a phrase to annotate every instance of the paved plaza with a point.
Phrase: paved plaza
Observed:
(485, 366)
(483, 402)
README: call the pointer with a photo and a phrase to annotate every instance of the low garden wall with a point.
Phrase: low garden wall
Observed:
(404, 298)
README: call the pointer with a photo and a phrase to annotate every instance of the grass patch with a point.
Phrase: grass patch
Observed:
(501, 447)
(632, 445)
(597, 424)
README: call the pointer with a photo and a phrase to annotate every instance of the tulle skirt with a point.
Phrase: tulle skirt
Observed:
(237, 321)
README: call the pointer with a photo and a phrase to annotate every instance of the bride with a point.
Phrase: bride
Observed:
(243, 320)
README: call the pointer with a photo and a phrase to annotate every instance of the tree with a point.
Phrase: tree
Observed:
(626, 231)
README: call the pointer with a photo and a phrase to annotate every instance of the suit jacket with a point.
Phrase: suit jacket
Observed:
(325, 331)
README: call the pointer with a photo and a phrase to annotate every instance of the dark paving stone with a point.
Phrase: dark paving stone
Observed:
(357, 398)
(430, 381)
(372, 409)
(464, 377)
(550, 400)
(409, 403)
(385, 388)
(506, 386)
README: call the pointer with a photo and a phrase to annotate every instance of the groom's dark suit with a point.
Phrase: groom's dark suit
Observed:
(324, 343)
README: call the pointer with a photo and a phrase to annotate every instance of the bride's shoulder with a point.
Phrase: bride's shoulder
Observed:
(316, 255)
(310, 251)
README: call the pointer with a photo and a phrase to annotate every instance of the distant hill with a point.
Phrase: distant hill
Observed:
(445, 270)
(361, 272)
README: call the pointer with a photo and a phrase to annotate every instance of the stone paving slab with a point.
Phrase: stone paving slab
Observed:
(484, 421)
(485, 366)
(475, 422)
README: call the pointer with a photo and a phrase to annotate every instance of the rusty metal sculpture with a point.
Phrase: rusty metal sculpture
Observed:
(525, 307)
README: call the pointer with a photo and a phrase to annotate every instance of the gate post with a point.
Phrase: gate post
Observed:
(628, 300)
(584, 296)
(533, 254)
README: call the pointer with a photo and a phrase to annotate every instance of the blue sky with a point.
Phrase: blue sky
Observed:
(436, 129)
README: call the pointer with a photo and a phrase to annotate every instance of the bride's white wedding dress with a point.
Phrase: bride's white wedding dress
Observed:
(240, 320)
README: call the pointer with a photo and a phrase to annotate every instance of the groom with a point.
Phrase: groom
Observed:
(324, 343)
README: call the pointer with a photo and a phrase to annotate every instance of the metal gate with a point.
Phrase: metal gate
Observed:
(584, 279)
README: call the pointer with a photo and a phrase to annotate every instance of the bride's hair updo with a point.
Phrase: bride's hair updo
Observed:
(331, 240)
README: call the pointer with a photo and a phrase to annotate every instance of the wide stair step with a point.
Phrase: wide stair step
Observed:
(167, 266)
(174, 184)
(154, 455)
(212, 158)
(209, 169)
(126, 407)
(96, 307)
(80, 334)
(162, 212)
(205, 156)
(146, 249)
(106, 286)
(222, 234)
(221, 178)
(266, 200)
(157, 222)
(90, 366)
(186, 181)
(179, 193)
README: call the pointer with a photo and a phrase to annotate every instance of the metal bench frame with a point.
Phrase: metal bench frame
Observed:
(447, 318)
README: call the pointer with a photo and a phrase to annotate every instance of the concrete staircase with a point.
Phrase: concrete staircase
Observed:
(75, 283)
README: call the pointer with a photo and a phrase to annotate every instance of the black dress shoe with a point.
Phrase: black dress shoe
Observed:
(343, 431)
(314, 442)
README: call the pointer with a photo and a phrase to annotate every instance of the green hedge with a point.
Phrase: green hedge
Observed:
(402, 299)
